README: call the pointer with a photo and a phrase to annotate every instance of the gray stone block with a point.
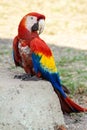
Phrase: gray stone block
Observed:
(29, 105)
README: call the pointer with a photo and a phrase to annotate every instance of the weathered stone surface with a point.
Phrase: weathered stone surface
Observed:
(28, 105)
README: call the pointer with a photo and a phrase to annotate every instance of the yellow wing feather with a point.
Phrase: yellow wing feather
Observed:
(48, 63)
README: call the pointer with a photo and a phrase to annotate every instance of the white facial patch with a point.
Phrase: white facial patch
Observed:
(30, 21)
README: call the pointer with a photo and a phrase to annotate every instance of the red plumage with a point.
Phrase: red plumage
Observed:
(68, 106)
(17, 58)
(41, 48)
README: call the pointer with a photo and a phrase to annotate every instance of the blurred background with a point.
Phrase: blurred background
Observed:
(66, 20)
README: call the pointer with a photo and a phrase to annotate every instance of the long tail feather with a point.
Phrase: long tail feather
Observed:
(68, 106)
(75, 106)
(65, 89)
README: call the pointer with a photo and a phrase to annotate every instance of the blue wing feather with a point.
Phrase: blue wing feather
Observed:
(52, 77)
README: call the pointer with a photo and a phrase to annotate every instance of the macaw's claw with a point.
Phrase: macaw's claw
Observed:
(26, 77)
(32, 78)
(23, 76)
(17, 76)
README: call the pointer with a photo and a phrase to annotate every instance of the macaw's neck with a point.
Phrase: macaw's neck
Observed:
(27, 36)
(34, 35)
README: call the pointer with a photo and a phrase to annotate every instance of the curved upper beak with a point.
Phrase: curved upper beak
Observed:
(41, 24)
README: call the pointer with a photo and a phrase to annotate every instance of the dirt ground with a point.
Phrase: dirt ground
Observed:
(66, 28)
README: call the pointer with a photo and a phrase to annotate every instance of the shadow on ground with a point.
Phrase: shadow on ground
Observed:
(71, 63)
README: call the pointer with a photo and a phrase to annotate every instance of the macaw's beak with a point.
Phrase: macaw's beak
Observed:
(41, 24)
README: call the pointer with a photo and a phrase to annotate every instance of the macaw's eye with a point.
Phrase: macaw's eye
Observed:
(31, 17)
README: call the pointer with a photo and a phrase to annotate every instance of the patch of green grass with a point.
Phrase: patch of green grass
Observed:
(65, 60)
(73, 70)
(5, 52)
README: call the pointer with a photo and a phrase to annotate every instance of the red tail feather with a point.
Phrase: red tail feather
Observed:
(68, 106)
(75, 106)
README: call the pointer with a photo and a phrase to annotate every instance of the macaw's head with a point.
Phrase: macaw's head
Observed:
(30, 23)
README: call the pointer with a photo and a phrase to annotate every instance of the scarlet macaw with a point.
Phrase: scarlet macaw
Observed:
(33, 54)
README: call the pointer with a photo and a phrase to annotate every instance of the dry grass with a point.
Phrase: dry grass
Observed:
(66, 23)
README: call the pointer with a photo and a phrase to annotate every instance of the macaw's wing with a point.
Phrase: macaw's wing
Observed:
(44, 63)
(42, 57)
(16, 54)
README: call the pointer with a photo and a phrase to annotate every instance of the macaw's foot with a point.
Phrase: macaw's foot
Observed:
(23, 76)
(34, 78)
(27, 77)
